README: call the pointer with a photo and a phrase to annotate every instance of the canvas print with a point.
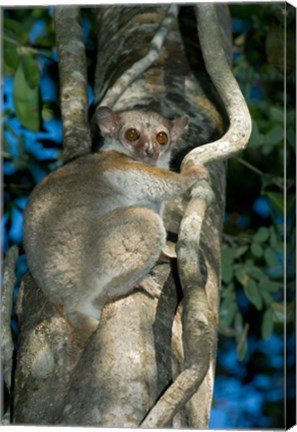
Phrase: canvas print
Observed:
(148, 223)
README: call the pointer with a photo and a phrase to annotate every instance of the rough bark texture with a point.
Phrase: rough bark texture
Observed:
(9, 279)
(46, 357)
(73, 82)
(150, 362)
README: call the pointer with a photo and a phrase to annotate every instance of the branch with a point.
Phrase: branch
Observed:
(139, 67)
(198, 336)
(9, 280)
(199, 317)
(73, 82)
(222, 77)
(198, 331)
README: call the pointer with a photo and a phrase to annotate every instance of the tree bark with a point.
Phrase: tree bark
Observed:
(73, 82)
(151, 361)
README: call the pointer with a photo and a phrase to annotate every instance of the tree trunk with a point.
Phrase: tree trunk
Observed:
(151, 361)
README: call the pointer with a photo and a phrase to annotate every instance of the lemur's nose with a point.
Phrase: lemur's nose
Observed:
(149, 149)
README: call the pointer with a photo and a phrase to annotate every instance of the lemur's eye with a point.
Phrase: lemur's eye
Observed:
(162, 138)
(132, 134)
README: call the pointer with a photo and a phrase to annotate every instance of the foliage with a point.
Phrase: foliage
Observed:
(32, 128)
(253, 261)
(252, 307)
(255, 242)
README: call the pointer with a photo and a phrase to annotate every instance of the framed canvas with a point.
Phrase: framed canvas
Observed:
(148, 223)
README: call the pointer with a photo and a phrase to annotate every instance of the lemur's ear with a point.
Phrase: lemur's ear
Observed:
(107, 121)
(178, 127)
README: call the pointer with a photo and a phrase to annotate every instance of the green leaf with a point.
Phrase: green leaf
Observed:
(275, 135)
(273, 238)
(229, 292)
(242, 275)
(240, 251)
(275, 244)
(257, 250)
(270, 257)
(268, 299)
(271, 286)
(267, 324)
(11, 57)
(278, 310)
(249, 264)
(14, 29)
(238, 324)
(277, 114)
(228, 255)
(252, 292)
(227, 311)
(26, 100)
(261, 235)
(241, 339)
(241, 348)
(232, 253)
(257, 273)
(255, 138)
(31, 70)
(227, 273)
(277, 199)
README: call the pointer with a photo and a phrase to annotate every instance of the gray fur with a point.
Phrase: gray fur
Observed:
(93, 228)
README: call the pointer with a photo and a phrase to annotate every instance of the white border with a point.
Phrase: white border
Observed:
(34, 3)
